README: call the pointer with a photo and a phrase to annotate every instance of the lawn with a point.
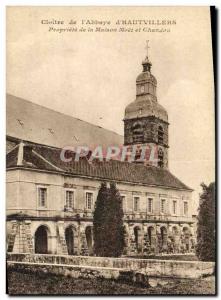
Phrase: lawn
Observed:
(20, 283)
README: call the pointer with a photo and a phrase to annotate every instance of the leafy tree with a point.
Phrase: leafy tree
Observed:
(206, 246)
(108, 222)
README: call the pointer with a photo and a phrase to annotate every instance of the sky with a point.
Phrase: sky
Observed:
(92, 75)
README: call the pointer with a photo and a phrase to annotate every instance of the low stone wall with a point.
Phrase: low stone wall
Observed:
(149, 267)
(67, 270)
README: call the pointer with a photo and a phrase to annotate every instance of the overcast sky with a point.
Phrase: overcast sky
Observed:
(92, 76)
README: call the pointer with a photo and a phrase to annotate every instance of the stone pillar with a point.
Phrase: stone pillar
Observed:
(126, 241)
(158, 239)
(83, 242)
(132, 244)
(77, 249)
(22, 238)
(29, 237)
(182, 242)
(62, 246)
(146, 242)
(140, 239)
(13, 237)
(192, 238)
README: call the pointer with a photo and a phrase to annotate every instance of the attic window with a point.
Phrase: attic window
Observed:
(76, 139)
(51, 130)
(20, 122)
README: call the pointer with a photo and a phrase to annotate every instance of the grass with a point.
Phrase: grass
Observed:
(24, 283)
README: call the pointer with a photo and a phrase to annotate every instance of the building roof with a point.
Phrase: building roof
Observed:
(32, 122)
(40, 157)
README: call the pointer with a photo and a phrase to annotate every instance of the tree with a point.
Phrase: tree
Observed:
(115, 220)
(99, 220)
(206, 246)
(108, 222)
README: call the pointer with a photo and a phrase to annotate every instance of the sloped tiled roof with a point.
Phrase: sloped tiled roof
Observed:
(35, 123)
(48, 158)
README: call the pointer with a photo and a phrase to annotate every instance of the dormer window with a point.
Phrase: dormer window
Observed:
(160, 135)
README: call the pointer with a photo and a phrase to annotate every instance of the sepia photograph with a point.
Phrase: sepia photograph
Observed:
(110, 150)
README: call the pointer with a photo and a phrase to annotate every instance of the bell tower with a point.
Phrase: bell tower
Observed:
(146, 121)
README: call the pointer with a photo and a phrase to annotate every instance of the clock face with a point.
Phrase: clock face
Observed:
(142, 88)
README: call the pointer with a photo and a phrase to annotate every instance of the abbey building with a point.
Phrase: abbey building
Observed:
(50, 202)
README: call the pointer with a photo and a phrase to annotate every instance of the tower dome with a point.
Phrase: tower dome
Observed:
(146, 103)
(145, 107)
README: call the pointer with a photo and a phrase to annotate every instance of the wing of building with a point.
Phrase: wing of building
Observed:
(50, 202)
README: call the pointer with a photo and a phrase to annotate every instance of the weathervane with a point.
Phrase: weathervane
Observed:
(147, 46)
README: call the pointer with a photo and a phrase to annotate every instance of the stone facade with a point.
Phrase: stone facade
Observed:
(148, 230)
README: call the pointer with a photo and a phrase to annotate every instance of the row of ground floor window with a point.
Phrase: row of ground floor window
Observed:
(76, 238)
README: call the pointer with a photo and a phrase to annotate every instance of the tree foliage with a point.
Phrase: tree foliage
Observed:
(108, 222)
(206, 245)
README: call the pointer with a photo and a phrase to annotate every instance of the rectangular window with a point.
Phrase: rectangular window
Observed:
(89, 200)
(123, 202)
(174, 207)
(69, 199)
(42, 197)
(163, 206)
(185, 208)
(150, 205)
(136, 203)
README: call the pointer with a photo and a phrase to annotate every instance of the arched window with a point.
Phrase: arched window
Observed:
(69, 237)
(138, 239)
(160, 158)
(137, 130)
(160, 135)
(163, 233)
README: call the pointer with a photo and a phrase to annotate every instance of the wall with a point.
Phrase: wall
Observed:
(12, 190)
(22, 195)
(150, 267)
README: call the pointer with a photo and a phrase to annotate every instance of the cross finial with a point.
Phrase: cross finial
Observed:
(147, 46)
